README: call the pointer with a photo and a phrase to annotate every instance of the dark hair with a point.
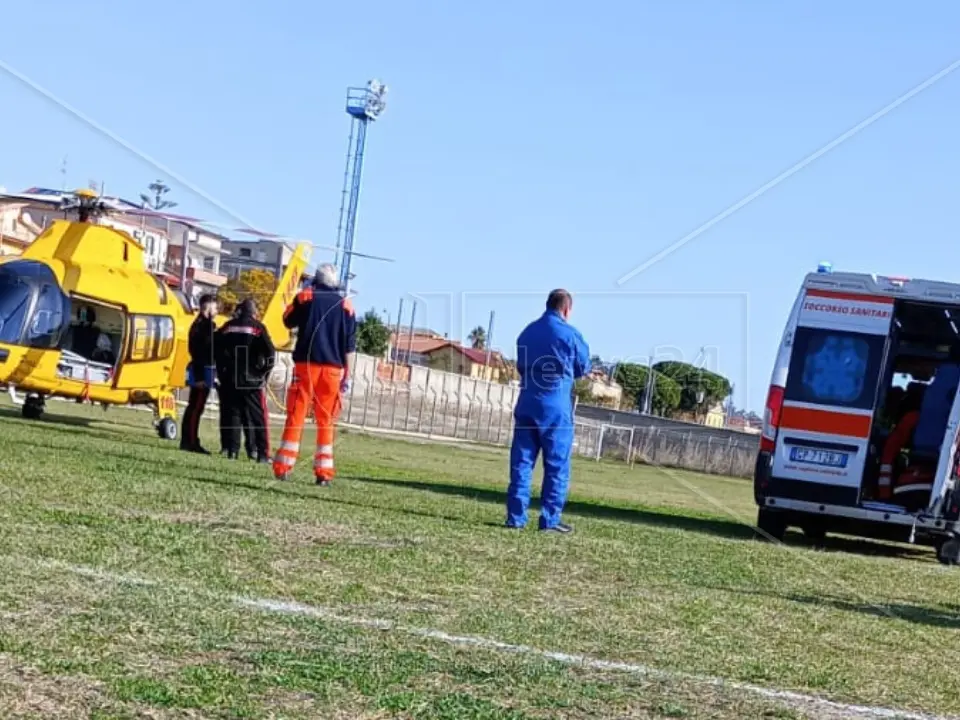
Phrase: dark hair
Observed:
(207, 299)
(913, 398)
(558, 300)
(248, 308)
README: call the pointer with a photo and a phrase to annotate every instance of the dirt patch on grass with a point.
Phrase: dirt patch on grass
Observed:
(25, 692)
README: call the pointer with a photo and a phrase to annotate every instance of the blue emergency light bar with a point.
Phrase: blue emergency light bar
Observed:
(825, 268)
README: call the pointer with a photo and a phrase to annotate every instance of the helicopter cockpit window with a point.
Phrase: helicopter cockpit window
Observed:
(48, 317)
(14, 304)
(32, 306)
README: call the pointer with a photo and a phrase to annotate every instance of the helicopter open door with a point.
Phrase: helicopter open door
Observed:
(148, 352)
(92, 341)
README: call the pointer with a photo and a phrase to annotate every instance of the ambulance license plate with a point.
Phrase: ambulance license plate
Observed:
(813, 456)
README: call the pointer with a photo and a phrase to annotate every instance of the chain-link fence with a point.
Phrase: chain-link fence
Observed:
(433, 403)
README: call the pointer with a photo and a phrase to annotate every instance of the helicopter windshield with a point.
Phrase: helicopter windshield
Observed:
(33, 308)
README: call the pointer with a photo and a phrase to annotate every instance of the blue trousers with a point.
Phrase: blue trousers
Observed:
(553, 436)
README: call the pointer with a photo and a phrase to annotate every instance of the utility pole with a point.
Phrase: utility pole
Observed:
(648, 393)
(396, 344)
(413, 315)
(183, 264)
(486, 361)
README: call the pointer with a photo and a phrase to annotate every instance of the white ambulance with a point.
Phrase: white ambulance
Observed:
(860, 425)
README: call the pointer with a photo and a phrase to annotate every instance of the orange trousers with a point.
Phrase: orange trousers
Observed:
(319, 386)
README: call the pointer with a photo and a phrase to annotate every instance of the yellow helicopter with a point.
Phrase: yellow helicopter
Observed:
(80, 280)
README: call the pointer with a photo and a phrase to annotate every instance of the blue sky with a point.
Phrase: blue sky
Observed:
(527, 146)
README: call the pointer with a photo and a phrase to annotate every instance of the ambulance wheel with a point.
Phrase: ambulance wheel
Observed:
(771, 524)
(949, 552)
(167, 429)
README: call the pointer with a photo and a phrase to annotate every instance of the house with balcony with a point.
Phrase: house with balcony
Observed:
(270, 255)
(204, 255)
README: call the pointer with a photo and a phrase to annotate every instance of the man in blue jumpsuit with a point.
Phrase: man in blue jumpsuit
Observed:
(551, 354)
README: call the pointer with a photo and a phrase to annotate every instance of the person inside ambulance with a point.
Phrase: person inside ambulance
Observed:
(891, 406)
(921, 426)
(906, 415)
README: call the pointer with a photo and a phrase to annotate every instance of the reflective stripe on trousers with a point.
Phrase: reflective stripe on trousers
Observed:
(317, 387)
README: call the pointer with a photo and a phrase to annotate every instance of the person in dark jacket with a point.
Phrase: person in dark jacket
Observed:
(227, 413)
(323, 358)
(246, 355)
(201, 373)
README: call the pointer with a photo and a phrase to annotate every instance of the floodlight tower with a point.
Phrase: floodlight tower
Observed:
(363, 106)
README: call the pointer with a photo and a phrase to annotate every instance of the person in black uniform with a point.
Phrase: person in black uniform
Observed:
(201, 373)
(246, 354)
(227, 414)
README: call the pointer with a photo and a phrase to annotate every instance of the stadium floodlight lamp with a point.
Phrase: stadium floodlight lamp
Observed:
(375, 100)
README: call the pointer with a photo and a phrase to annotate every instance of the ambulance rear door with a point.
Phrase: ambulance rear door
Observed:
(839, 350)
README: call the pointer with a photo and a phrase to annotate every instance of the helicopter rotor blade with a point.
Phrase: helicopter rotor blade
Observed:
(69, 200)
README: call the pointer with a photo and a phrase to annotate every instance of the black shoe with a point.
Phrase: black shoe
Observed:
(251, 456)
(512, 527)
(559, 528)
(232, 455)
(323, 482)
(263, 459)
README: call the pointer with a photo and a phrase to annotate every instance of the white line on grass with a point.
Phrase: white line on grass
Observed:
(826, 709)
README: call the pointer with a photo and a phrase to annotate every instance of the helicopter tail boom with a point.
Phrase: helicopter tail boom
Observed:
(287, 289)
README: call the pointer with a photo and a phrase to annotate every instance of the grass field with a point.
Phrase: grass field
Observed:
(139, 581)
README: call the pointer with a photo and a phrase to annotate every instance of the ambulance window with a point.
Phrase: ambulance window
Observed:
(835, 368)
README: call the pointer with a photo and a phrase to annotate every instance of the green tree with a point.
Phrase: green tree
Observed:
(156, 200)
(633, 379)
(373, 336)
(255, 283)
(478, 338)
(692, 381)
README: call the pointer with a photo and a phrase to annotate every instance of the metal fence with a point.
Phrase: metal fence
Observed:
(438, 404)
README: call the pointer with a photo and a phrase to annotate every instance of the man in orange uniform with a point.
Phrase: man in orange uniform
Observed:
(323, 357)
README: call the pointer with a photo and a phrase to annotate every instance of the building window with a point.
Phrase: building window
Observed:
(244, 252)
(208, 263)
(261, 256)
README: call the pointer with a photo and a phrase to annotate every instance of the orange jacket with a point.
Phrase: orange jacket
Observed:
(895, 443)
